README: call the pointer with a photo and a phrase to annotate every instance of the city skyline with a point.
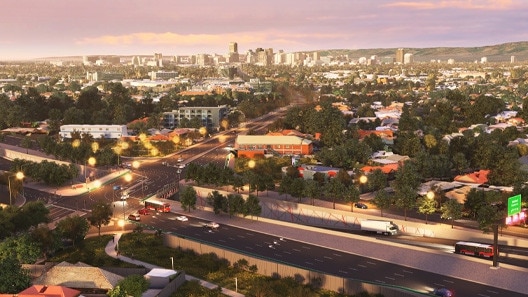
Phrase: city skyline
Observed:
(38, 29)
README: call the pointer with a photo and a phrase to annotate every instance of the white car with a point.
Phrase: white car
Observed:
(182, 218)
(212, 225)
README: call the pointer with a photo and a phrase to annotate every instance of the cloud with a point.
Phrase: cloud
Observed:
(168, 38)
(459, 4)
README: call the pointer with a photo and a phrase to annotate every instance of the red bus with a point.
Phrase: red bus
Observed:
(157, 206)
(474, 249)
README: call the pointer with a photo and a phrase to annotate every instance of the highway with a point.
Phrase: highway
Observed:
(316, 257)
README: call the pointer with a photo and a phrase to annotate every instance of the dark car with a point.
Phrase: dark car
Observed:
(143, 211)
(443, 292)
(361, 205)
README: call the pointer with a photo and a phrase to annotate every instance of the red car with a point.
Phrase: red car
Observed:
(143, 211)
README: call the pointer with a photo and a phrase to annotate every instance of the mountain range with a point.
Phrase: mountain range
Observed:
(494, 53)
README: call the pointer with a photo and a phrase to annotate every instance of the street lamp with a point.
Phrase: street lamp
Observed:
(362, 180)
(172, 262)
(179, 171)
(91, 161)
(19, 175)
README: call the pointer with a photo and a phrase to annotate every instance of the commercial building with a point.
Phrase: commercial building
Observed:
(209, 116)
(251, 145)
(96, 131)
(400, 53)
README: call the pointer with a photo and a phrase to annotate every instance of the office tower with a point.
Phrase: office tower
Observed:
(158, 59)
(232, 56)
(408, 58)
(233, 47)
(400, 54)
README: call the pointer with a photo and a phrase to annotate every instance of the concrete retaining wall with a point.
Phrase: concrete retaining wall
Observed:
(278, 270)
(306, 214)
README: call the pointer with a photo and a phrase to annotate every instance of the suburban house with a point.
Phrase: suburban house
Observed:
(46, 291)
(79, 276)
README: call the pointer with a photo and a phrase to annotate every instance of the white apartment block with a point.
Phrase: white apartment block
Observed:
(97, 131)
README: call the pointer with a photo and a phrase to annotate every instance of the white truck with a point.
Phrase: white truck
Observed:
(380, 227)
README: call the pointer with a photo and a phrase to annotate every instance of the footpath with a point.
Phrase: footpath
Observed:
(110, 249)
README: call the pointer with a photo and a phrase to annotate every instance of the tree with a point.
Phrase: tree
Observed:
(475, 199)
(22, 247)
(451, 210)
(235, 204)
(217, 201)
(351, 195)
(405, 185)
(382, 200)
(252, 206)
(134, 285)
(188, 198)
(101, 215)
(312, 190)
(117, 291)
(426, 206)
(296, 188)
(73, 228)
(405, 199)
(335, 188)
(46, 239)
(13, 278)
(488, 216)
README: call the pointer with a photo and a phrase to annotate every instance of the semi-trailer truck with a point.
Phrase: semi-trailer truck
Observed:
(380, 227)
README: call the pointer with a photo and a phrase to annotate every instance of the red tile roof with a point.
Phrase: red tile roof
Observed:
(49, 291)
(477, 177)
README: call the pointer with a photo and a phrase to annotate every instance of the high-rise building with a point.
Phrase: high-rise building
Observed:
(400, 54)
(232, 56)
(408, 58)
(512, 59)
(233, 47)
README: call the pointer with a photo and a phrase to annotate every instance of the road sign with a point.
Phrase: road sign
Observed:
(514, 205)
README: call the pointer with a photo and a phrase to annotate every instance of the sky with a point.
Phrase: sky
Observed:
(37, 28)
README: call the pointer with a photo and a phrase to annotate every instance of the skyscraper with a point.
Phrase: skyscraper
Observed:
(400, 54)
(233, 48)
(233, 56)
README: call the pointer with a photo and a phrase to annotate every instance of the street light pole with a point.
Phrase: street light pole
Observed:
(10, 191)
(19, 175)
(179, 173)
(172, 262)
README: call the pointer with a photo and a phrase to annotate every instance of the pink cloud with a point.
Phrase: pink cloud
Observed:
(460, 4)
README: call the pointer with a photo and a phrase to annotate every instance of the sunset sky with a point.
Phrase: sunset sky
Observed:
(37, 28)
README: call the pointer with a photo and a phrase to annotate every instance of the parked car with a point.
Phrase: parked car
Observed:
(144, 211)
(443, 292)
(361, 205)
(134, 217)
(125, 196)
(182, 218)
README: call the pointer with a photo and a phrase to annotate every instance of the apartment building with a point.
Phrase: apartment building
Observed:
(210, 116)
(97, 131)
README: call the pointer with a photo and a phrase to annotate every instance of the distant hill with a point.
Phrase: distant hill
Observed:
(494, 53)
